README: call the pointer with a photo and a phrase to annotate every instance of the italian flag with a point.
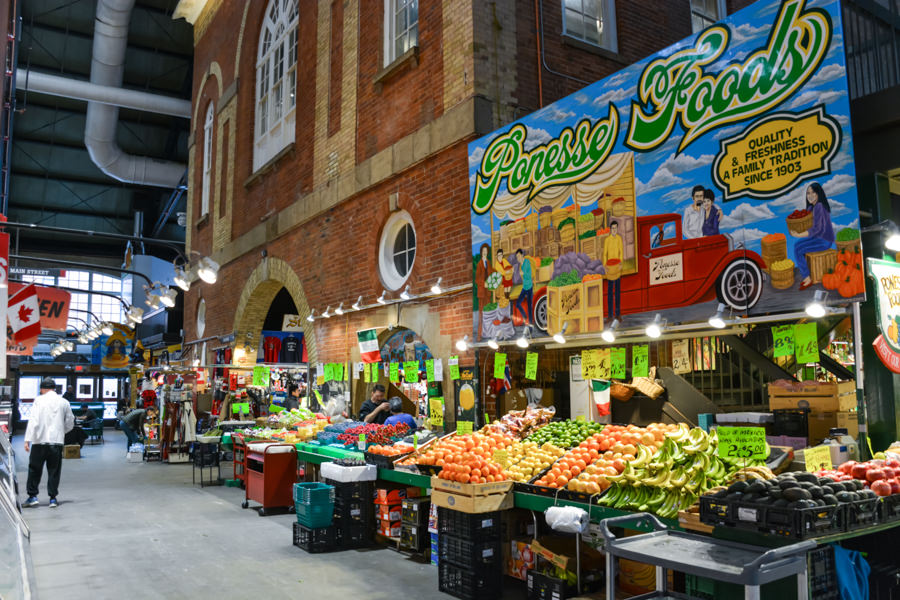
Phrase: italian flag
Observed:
(368, 345)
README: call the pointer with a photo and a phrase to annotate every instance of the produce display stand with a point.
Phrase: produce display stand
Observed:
(692, 554)
(271, 472)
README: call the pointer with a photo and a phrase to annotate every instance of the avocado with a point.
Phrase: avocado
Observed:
(757, 487)
(734, 496)
(867, 494)
(765, 500)
(830, 499)
(856, 496)
(788, 484)
(810, 477)
(775, 492)
(825, 480)
(844, 496)
(835, 488)
(793, 494)
(738, 486)
(780, 503)
(859, 484)
(849, 486)
(816, 492)
(806, 485)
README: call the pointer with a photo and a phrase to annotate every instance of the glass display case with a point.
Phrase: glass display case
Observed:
(16, 571)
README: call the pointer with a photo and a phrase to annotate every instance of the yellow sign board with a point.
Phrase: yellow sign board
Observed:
(817, 458)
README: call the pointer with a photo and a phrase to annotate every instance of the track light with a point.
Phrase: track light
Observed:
(327, 313)
(181, 279)
(340, 309)
(893, 242)
(436, 288)
(405, 295)
(68, 345)
(522, 340)
(493, 344)
(135, 315)
(654, 329)
(311, 316)
(82, 338)
(463, 344)
(107, 329)
(358, 304)
(208, 270)
(153, 300)
(381, 299)
(718, 320)
(609, 334)
(816, 309)
(167, 296)
(559, 337)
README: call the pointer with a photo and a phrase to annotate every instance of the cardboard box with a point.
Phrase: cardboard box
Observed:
(472, 498)
(394, 496)
(521, 559)
(388, 529)
(559, 551)
(72, 451)
(818, 397)
(386, 512)
(848, 419)
(820, 423)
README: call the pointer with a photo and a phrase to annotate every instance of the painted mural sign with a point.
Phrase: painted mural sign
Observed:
(887, 301)
(113, 351)
(719, 170)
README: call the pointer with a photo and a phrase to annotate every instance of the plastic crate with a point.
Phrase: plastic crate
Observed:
(822, 575)
(314, 515)
(469, 526)
(859, 514)
(474, 554)
(415, 510)
(352, 535)
(414, 537)
(889, 508)
(792, 422)
(545, 587)
(801, 523)
(716, 511)
(357, 490)
(206, 455)
(314, 539)
(313, 493)
(467, 585)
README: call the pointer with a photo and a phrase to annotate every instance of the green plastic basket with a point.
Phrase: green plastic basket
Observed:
(314, 515)
(313, 493)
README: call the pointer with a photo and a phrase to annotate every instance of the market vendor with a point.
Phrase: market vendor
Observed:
(293, 397)
(398, 416)
(376, 409)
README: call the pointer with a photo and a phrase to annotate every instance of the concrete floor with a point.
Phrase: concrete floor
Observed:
(143, 530)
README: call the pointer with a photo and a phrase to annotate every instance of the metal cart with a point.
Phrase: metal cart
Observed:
(730, 562)
(271, 474)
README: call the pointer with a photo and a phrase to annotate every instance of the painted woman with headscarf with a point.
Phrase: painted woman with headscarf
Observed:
(818, 237)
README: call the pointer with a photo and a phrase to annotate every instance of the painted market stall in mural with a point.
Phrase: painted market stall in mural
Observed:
(718, 171)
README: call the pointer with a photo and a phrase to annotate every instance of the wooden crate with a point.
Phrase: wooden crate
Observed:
(525, 241)
(592, 299)
(820, 424)
(564, 305)
(691, 521)
(848, 419)
(566, 247)
(818, 397)
(531, 222)
(820, 263)
(549, 250)
(591, 247)
(547, 235)
(472, 498)
(545, 273)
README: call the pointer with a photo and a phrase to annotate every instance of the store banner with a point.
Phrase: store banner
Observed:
(887, 302)
(113, 351)
(4, 297)
(292, 323)
(717, 170)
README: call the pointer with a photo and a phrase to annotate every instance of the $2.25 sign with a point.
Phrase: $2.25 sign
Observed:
(742, 443)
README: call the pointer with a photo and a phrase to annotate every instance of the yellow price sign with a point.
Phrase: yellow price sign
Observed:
(436, 411)
(501, 457)
(817, 458)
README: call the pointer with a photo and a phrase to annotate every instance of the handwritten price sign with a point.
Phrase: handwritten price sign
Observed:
(617, 363)
(640, 361)
(463, 427)
(783, 340)
(742, 442)
(604, 370)
(681, 356)
(436, 412)
(817, 458)
(806, 343)
(531, 364)
(590, 364)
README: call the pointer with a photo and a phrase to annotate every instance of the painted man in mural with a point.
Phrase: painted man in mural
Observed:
(502, 266)
(527, 293)
(692, 222)
(613, 252)
(482, 271)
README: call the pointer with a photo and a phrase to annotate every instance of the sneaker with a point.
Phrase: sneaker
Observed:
(53, 503)
(32, 501)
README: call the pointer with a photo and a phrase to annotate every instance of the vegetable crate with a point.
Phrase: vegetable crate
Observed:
(889, 508)
(821, 263)
(564, 305)
(472, 497)
(415, 510)
(480, 526)
(414, 537)
(314, 540)
(592, 315)
(859, 514)
(818, 397)
(593, 247)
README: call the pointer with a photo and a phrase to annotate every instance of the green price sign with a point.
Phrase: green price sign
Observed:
(429, 369)
(240, 407)
(411, 371)
(742, 443)
(367, 374)
(617, 363)
(783, 340)
(338, 370)
(531, 362)
(395, 372)
(261, 376)
(640, 361)
(274, 408)
(499, 365)
(375, 372)
(806, 343)
(453, 363)
(603, 367)
(463, 427)
(329, 372)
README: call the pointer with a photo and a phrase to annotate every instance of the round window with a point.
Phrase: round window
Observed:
(397, 250)
(201, 317)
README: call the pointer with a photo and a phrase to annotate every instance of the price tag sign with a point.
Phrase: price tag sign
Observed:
(783, 340)
(453, 363)
(261, 376)
(617, 363)
(362, 437)
(681, 356)
(604, 371)
(742, 442)
(463, 427)
(817, 458)
(531, 362)
(416, 442)
(429, 369)
(320, 380)
(436, 411)
(338, 370)
(274, 408)
(411, 371)
(806, 343)
(375, 372)
(329, 372)
(499, 365)
(395, 372)
(367, 374)
(501, 457)
(640, 361)
(590, 364)
(439, 369)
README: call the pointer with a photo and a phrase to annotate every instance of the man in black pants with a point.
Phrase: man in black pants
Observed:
(51, 418)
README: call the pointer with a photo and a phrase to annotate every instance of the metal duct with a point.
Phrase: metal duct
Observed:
(54, 85)
(107, 68)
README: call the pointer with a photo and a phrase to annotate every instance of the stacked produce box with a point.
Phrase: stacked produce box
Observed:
(470, 561)
(388, 509)
(827, 403)
(414, 523)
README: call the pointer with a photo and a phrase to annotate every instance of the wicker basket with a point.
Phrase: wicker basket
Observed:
(800, 225)
(848, 246)
(619, 208)
(613, 272)
(621, 391)
(531, 222)
(648, 387)
(782, 279)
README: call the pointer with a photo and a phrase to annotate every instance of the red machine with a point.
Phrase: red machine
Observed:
(270, 475)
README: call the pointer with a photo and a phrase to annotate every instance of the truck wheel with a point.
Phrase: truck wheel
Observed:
(540, 313)
(740, 284)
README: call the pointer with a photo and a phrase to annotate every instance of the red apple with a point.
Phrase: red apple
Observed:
(881, 488)
(859, 471)
(847, 467)
(895, 486)
(874, 474)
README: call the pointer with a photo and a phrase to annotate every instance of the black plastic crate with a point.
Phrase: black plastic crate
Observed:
(889, 508)
(384, 462)
(468, 585)
(353, 535)
(206, 455)
(716, 511)
(414, 537)
(859, 514)
(793, 422)
(357, 490)
(415, 510)
(801, 523)
(470, 526)
(475, 554)
(358, 511)
(884, 582)
(545, 587)
(320, 539)
(822, 575)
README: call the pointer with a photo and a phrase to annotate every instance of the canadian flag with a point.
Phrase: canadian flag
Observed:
(25, 314)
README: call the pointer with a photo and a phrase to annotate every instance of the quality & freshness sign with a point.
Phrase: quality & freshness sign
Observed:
(675, 183)
(887, 301)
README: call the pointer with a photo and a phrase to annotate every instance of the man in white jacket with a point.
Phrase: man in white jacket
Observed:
(51, 418)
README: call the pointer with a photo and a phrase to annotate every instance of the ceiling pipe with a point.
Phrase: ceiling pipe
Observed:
(107, 69)
(54, 85)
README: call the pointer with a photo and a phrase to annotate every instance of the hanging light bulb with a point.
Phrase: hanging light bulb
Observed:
(135, 315)
(107, 329)
(436, 288)
(559, 337)
(181, 279)
(208, 270)
(654, 329)
(718, 319)
(167, 296)
(493, 344)
(816, 309)
(463, 344)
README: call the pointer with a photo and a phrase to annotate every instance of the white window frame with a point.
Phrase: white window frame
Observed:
(722, 13)
(207, 160)
(276, 81)
(392, 279)
(607, 12)
(391, 7)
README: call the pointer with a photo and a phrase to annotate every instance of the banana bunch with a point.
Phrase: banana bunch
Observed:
(665, 502)
(752, 473)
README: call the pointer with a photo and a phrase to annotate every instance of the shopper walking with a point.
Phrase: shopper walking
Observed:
(51, 418)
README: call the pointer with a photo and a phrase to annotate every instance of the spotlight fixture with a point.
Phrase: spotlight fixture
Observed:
(358, 304)
(493, 344)
(654, 329)
(82, 338)
(106, 329)
(167, 296)
(609, 334)
(405, 295)
(208, 270)
(436, 288)
(135, 315)
(153, 300)
(181, 279)
(68, 345)
(340, 309)
(893, 241)
(381, 299)
(327, 313)
(718, 320)
(311, 316)
(522, 340)
(559, 336)
(463, 344)
(816, 309)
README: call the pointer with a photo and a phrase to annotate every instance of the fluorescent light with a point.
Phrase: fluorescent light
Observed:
(609, 334)
(717, 319)
(167, 296)
(405, 295)
(327, 313)
(381, 299)
(493, 344)
(654, 329)
(436, 288)
(358, 304)
(463, 344)
(311, 316)
(816, 308)
(208, 270)
(181, 279)
(340, 309)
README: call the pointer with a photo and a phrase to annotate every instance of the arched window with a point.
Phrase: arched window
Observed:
(276, 80)
(207, 161)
